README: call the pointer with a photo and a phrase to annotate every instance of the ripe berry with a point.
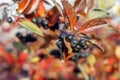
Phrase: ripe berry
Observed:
(69, 37)
(21, 37)
(39, 20)
(85, 47)
(77, 48)
(45, 22)
(62, 36)
(59, 43)
(34, 20)
(56, 53)
(30, 38)
(83, 44)
(45, 27)
(76, 70)
(74, 42)
(9, 20)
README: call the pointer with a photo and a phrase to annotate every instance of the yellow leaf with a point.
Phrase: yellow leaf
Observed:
(117, 52)
(34, 59)
(98, 13)
(117, 10)
(105, 4)
(91, 60)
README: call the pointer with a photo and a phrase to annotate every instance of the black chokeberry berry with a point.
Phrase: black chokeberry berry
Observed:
(34, 20)
(62, 36)
(76, 70)
(21, 37)
(39, 20)
(69, 37)
(85, 47)
(76, 49)
(83, 44)
(74, 42)
(59, 43)
(9, 20)
(30, 38)
(45, 22)
(56, 53)
(45, 27)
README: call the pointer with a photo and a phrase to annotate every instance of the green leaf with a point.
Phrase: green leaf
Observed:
(98, 13)
(31, 26)
(105, 4)
(20, 46)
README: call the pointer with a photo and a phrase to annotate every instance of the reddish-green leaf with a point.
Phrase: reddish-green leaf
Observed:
(31, 26)
(59, 8)
(70, 13)
(91, 24)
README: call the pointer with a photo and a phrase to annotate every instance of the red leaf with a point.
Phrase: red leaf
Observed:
(23, 57)
(70, 13)
(91, 25)
(53, 16)
(111, 60)
(80, 5)
(23, 5)
(114, 36)
(41, 9)
(59, 8)
(7, 56)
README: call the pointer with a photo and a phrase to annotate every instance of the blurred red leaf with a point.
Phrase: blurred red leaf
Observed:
(90, 5)
(111, 60)
(114, 36)
(23, 57)
(8, 57)
(108, 68)
(91, 25)
(70, 13)
(80, 5)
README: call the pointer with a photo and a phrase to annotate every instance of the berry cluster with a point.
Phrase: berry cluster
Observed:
(27, 38)
(41, 22)
(76, 44)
